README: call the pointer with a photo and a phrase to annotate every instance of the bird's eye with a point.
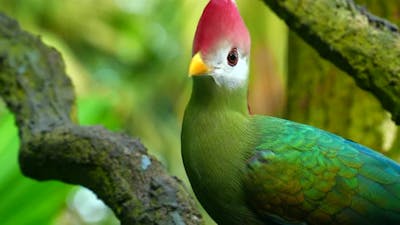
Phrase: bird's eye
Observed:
(233, 57)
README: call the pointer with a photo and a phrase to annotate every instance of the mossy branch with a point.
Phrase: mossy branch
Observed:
(363, 45)
(117, 168)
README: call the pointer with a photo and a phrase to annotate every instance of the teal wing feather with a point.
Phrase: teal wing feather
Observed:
(301, 174)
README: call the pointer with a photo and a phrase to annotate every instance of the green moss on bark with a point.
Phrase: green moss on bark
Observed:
(322, 95)
(365, 47)
(36, 89)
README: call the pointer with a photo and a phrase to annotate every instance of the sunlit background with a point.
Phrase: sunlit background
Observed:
(128, 60)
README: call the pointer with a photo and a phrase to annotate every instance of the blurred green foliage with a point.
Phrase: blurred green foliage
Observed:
(128, 61)
(24, 201)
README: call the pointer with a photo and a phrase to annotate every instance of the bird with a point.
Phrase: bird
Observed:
(258, 169)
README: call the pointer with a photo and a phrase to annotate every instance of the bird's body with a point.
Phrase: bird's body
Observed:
(250, 169)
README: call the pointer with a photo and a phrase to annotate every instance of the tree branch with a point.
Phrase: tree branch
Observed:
(363, 45)
(117, 168)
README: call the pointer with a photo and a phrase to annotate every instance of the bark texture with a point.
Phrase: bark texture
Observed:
(322, 95)
(116, 167)
(389, 9)
(361, 44)
(332, 101)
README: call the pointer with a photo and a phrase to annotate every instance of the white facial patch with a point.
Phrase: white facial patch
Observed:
(225, 75)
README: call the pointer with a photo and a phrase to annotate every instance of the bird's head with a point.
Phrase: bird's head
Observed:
(221, 45)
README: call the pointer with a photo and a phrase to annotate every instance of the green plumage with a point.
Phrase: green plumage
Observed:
(262, 170)
(303, 174)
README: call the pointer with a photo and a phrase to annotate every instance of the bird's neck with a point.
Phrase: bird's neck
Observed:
(214, 98)
(216, 142)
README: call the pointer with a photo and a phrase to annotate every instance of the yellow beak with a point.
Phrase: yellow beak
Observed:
(197, 66)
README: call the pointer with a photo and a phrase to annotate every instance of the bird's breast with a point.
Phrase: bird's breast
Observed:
(214, 155)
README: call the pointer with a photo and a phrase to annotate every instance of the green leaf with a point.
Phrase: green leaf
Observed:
(23, 200)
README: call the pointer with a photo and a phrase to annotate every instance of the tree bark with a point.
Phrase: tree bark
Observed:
(389, 9)
(117, 168)
(322, 95)
(333, 102)
(361, 44)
